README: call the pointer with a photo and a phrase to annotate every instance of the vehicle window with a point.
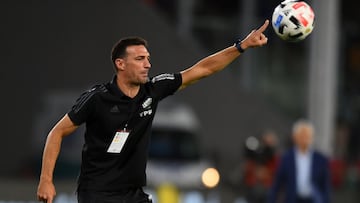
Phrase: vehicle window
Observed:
(171, 144)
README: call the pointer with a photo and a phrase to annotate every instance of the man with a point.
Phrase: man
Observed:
(303, 175)
(118, 117)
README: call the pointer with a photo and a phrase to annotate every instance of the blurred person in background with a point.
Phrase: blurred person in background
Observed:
(260, 166)
(118, 117)
(268, 156)
(303, 175)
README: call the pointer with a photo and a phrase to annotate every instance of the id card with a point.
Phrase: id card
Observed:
(118, 142)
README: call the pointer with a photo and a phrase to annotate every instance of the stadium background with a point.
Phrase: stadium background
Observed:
(52, 50)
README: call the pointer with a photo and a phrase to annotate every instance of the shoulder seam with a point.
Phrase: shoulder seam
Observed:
(87, 95)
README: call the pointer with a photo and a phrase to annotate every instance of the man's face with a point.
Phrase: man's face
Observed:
(136, 64)
(303, 137)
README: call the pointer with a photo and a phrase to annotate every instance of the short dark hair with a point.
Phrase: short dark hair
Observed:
(119, 49)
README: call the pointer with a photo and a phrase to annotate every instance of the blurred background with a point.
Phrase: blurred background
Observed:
(53, 50)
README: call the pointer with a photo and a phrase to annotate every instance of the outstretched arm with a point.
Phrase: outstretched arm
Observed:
(46, 189)
(221, 59)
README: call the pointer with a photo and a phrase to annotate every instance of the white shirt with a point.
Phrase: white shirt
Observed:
(303, 173)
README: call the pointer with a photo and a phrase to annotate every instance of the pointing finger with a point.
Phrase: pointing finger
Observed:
(263, 27)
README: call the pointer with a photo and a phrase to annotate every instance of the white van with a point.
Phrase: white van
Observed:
(175, 154)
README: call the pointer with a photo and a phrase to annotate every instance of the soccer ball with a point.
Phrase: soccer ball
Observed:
(293, 20)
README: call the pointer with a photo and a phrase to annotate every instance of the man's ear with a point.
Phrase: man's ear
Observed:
(120, 64)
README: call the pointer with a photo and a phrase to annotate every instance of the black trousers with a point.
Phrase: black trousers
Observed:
(304, 200)
(126, 196)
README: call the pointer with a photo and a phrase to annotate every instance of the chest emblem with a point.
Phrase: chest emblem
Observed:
(146, 104)
(147, 107)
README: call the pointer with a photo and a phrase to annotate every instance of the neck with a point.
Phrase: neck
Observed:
(129, 89)
(303, 149)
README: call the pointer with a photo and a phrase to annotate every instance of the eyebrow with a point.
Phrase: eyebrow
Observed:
(142, 56)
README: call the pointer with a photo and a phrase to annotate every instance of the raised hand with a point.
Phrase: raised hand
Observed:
(256, 38)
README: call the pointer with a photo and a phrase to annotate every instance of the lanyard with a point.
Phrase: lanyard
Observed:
(133, 110)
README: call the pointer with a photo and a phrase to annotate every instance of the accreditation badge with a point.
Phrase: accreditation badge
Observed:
(118, 141)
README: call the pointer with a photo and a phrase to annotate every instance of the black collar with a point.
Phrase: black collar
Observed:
(117, 91)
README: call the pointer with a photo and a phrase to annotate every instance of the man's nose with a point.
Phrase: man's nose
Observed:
(147, 64)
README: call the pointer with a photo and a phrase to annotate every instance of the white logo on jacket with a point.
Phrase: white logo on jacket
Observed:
(146, 113)
(147, 103)
(147, 107)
